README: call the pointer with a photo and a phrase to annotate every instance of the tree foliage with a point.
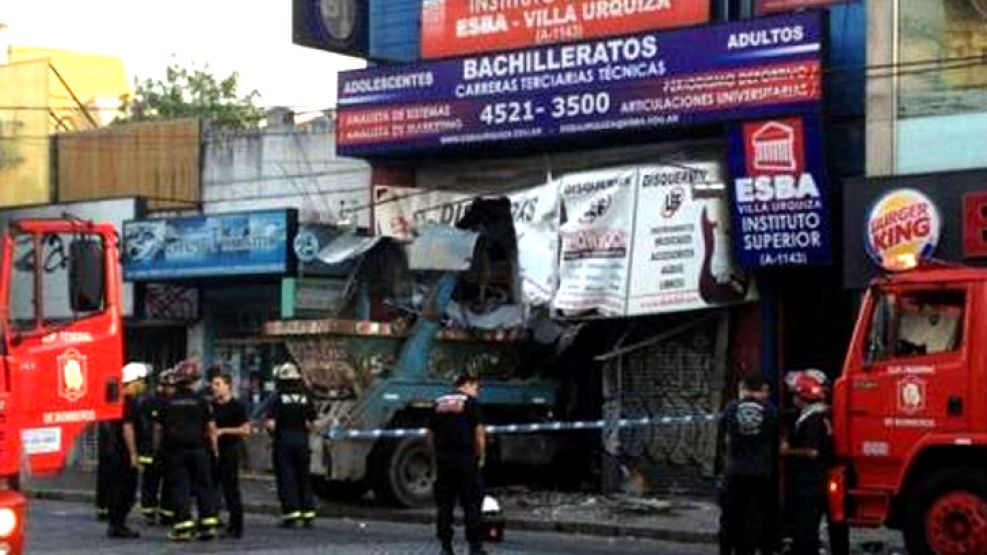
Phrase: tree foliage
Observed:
(192, 92)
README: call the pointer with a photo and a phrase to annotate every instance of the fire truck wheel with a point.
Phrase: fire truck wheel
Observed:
(947, 514)
(405, 473)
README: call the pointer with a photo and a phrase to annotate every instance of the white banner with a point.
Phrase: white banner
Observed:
(596, 241)
(399, 210)
(682, 248)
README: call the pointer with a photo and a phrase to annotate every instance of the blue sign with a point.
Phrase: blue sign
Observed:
(246, 243)
(742, 70)
(779, 191)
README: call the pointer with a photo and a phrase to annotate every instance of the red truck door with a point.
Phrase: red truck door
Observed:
(911, 379)
(62, 339)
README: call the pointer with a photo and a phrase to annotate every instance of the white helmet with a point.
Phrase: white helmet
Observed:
(287, 371)
(134, 371)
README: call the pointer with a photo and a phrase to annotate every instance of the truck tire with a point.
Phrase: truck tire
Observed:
(947, 514)
(338, 490)
(405, 473)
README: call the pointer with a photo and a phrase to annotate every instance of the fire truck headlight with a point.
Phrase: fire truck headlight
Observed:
(8, 522)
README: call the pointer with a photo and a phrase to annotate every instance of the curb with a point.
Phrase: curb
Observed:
(361, 513)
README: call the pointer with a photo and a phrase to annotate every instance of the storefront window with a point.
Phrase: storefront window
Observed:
(942, 48)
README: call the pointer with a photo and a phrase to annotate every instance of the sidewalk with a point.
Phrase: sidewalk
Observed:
(677, 520)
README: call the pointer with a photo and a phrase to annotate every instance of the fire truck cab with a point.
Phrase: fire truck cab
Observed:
(62, 350)
(910, 411)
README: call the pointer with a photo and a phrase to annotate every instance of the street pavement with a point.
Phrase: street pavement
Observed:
(58, 527)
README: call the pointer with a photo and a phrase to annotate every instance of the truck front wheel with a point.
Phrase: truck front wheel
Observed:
(405, 473)
(947, 514)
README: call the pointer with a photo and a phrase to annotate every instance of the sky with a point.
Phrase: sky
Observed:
(252, 37)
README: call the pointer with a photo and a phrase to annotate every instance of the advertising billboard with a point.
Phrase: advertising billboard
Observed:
(236, 244)
(334, 25)
(742, 70)
(780, 194)
(460, 27)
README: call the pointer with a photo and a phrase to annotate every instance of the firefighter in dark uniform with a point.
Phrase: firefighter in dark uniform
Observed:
(185, 433)
(231, 427)
(458, 438)
(104, 470)
(122, 458)
(290, 417)
(150, 463)
(749, 437)
(808, 452)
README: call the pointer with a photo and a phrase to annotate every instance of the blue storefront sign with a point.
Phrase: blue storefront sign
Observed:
(236, 244)
(779, 193)
(742, 70)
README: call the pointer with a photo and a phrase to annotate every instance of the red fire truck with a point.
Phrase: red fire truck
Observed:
(62, 351)
(910, 412)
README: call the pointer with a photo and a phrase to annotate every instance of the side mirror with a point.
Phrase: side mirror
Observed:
(87, 275)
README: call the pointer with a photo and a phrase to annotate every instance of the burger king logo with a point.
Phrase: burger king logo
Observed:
(902, 228)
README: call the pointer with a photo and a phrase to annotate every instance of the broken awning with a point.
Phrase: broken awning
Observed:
(345, 247)
(443, 248)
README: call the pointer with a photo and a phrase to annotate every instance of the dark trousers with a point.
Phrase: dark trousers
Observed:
(744, 505)
(104, 481)
(122, 491)
(458, 478)
(804, 510)
(151, 478)
(189, 474)
(291, 467)
(227, 475)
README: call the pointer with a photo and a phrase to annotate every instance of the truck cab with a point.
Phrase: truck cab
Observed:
(62, 350)
(910, 411)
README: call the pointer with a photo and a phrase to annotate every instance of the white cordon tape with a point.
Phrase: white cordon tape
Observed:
(338, 433)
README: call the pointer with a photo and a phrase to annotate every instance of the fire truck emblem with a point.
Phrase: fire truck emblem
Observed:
(72, 375)
(911, 395)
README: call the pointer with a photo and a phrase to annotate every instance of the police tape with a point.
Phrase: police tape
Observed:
(337, 433)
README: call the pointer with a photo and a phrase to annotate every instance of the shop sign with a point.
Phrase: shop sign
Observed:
(774, 6)
(458, 27)
(648, 240)
(333, 25)
(742, 70)
(244, 243)
(902, 228)
(780, 202)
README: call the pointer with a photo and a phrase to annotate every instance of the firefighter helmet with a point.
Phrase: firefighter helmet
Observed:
(134, 371)
(810, 385)
(286, 372)
(186, 371)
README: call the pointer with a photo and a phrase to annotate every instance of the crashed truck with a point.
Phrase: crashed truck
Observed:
(410, 317)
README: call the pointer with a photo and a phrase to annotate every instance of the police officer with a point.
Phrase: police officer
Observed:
(232, 426)
(458, 438)
(808, 451)
(290, 417)
(186, 431)
(150, 463)
(122, 458)
(749, 436)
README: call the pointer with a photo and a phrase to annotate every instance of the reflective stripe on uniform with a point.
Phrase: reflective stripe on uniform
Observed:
(292, 516)
(209, 521)
(145, 460)
(185, 525)
(308, 515)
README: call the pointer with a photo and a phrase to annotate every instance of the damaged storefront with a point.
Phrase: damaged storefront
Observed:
(662, 238)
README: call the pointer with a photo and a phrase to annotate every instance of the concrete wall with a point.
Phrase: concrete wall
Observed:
(283, 166)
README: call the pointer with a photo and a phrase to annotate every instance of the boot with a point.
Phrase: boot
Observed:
(122, 533)
(477, 549)
(447, 548)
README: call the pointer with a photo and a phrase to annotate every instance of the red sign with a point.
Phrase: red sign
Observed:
(775, 6)
(975, 225)
(459, 27)
(774, 147)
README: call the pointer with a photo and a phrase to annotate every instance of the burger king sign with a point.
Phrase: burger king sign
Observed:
(902, 228)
